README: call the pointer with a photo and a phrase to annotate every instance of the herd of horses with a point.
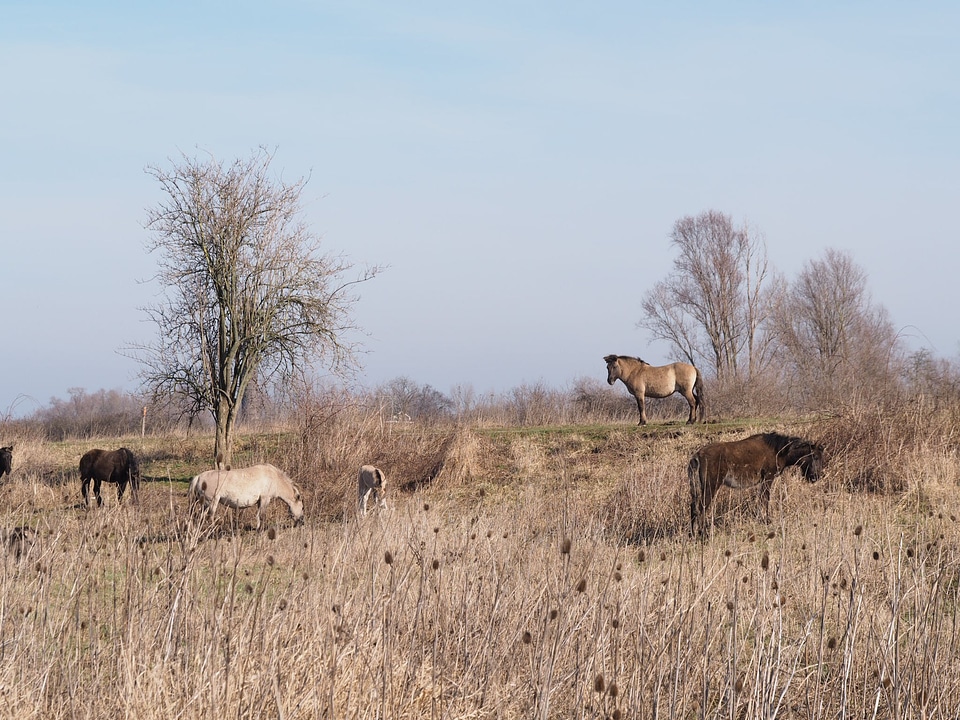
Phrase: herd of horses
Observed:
(753, 462)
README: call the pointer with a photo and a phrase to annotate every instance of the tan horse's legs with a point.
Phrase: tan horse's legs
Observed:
(640, 407)
(691, 401)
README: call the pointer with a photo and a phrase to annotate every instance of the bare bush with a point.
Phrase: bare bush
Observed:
(595, 401)
(85, 415)
(874, 447)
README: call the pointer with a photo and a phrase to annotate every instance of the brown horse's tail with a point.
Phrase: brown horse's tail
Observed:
(699, 398)
(696, 493)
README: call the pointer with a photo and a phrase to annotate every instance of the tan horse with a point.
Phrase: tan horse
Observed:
(243, 487)
(645, 380)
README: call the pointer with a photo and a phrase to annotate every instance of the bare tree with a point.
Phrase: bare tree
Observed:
(831, 331)
(714, 304)
(405, 399)
(248, 293)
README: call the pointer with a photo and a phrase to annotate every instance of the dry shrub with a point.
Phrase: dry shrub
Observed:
(646, 506)
(36, 458)
(463, 459)
(874, 448)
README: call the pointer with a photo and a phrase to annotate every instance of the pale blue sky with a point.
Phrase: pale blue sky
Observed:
(519, 166)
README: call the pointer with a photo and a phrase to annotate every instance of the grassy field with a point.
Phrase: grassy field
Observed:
(538, 572)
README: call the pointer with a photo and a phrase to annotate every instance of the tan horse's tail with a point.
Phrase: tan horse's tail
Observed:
(698, 396)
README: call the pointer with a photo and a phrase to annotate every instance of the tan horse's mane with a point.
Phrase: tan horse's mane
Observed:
(627, 357)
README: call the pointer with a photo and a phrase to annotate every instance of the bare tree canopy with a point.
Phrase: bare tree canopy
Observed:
(713, 305)
(831, 331)
(248, 293)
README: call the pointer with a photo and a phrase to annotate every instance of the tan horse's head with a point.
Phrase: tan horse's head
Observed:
(613, 368)
(295, 503)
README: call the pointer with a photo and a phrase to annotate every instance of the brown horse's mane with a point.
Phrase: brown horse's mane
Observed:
(780, 443)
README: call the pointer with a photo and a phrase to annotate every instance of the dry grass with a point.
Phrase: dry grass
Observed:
(522, 574)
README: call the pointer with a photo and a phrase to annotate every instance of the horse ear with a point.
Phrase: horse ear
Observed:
(609, 358)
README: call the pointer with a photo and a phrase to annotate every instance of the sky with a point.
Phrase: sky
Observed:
(516, 167)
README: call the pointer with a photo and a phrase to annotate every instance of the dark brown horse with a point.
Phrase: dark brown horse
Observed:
(645, 380)
(752, 462)
(6, 460)
(115, 466)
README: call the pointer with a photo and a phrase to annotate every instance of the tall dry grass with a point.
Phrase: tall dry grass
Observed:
(537, 574)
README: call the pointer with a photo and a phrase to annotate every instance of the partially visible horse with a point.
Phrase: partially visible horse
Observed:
(18, 540)
(371, 485)
(115, 466)
(243, 487)
(751, 462)
(645, 380)
(6, 460)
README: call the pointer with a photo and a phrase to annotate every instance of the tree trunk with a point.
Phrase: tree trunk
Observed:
(223, 444)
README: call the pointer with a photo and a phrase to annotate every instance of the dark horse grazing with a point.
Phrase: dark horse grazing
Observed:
(645, 380)
(115, 466)
(747, 463)
(6, 460)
